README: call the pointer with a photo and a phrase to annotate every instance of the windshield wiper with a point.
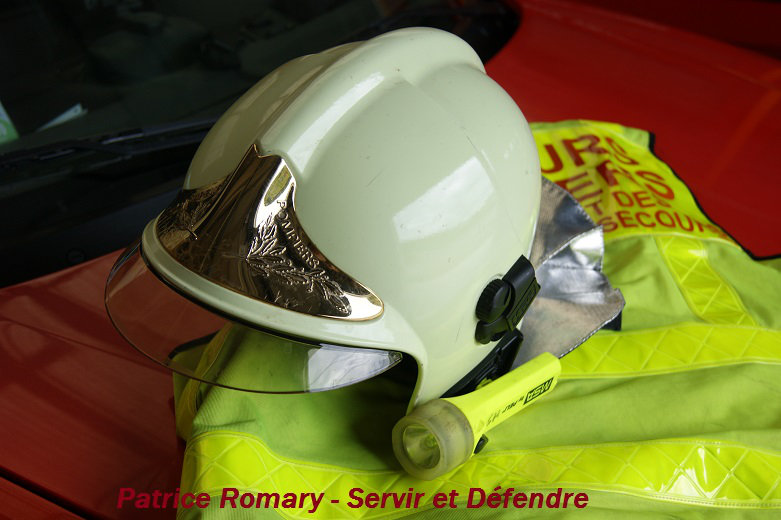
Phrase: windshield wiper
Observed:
(25, 170)
(126, 143)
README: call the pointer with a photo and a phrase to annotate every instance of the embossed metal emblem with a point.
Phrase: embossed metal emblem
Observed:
(242, 233)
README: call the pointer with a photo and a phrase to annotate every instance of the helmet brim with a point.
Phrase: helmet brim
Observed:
(202, 344)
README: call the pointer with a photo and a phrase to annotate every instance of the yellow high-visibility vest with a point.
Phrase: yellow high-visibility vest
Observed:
(679, 413)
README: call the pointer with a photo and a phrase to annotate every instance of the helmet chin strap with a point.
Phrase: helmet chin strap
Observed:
(497, 363)
(499, 310)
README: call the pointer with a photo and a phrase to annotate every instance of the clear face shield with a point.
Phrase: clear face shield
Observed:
(201, 344)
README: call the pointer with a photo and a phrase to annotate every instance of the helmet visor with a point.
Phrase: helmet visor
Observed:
(201, 344)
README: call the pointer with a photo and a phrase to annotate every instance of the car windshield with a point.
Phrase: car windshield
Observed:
(87, 67)
(103, 102)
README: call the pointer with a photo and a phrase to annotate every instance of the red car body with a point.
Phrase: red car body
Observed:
(82, 414)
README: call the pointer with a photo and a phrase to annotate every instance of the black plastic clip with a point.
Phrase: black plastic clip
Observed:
(504, 302)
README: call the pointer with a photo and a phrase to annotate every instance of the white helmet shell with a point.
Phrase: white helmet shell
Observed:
(415, 174)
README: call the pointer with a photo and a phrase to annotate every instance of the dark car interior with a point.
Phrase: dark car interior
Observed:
(111, 98)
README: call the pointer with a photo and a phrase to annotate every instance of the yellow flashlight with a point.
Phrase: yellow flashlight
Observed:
(442, 434)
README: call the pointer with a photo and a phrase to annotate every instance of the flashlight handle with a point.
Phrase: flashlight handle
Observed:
(498, 400)
(455, 424)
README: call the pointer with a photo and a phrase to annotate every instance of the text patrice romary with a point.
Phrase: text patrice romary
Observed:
(233, 498)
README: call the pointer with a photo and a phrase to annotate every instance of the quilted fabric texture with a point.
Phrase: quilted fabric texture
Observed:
(687, 346)
(708, 473)
(707, 294)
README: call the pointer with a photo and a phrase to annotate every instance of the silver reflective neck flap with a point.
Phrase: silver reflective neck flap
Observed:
(575, 299)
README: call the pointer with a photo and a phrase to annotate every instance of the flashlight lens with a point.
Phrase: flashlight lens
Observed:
(421, 446)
